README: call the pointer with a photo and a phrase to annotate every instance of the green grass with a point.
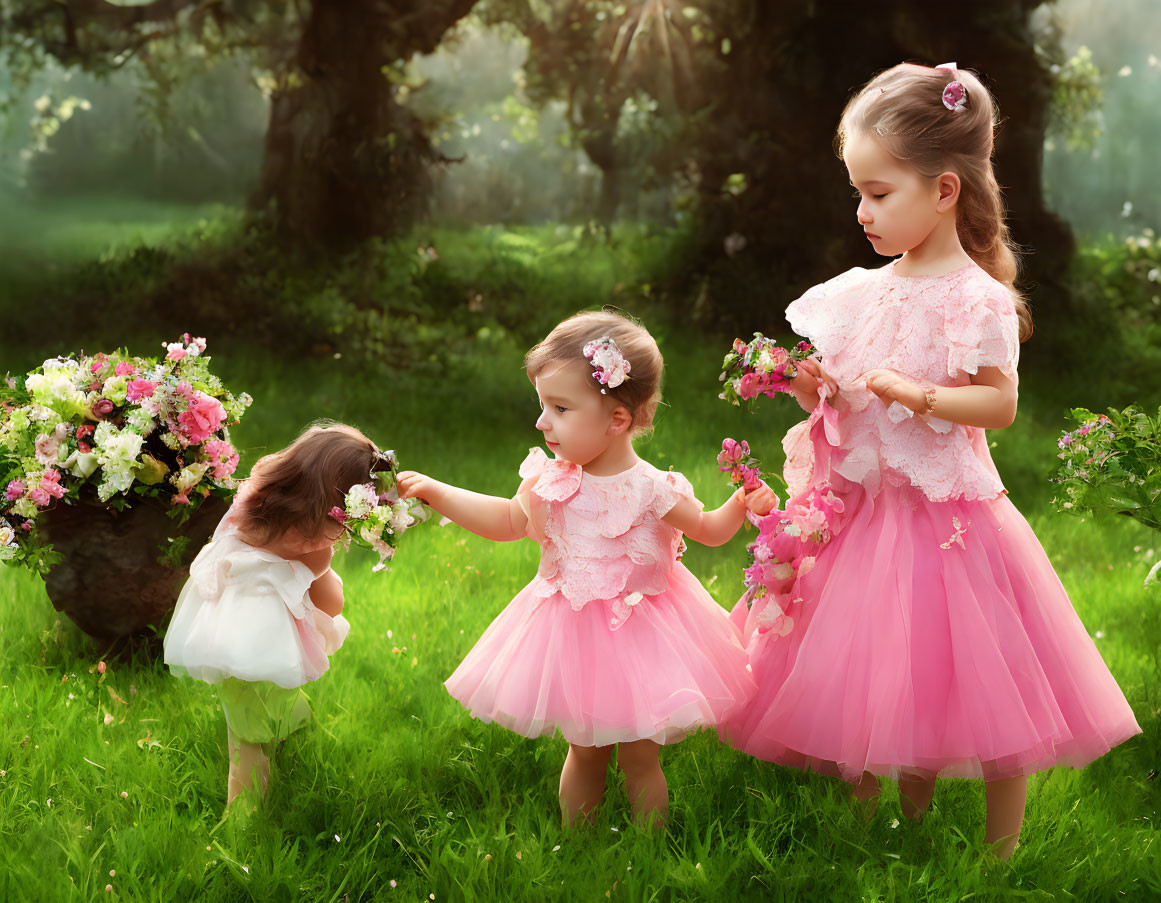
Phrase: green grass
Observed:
(395, 782)
(420, 793)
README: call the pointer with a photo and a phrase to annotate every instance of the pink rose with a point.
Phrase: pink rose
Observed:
(124, 369)
(102, 408)
(40, 497)
(15, 491)
(223, 458)
(175, 354)
(204, 415)
(138, 389)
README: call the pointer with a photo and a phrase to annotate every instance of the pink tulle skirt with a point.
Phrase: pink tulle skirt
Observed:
(675, 665)
(924, 648)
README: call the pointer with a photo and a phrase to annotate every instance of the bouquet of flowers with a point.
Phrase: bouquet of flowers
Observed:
(736, 460)
(373, 514)
(787, 544)
(117, 427)
(759, 368)
(1112, 463)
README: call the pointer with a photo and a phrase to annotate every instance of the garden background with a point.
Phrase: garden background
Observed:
(371, 210)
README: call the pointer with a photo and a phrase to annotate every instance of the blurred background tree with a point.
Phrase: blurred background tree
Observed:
(350, 125)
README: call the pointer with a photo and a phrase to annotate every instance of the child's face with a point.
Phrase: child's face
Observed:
(577, 421)
(897, 205)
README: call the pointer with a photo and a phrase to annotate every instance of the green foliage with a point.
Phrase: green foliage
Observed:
(1112, 463)
(1074, 115)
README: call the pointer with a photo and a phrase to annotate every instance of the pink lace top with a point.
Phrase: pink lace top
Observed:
(936, 330)
(601, 537)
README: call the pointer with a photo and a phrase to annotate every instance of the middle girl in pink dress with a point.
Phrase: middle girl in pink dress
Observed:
(614, 642)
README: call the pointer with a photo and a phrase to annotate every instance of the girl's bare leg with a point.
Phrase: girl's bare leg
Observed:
(915, 795)
(1006, 799)
(582, 781)
(645, 781)
(248, 761)
(867, 788)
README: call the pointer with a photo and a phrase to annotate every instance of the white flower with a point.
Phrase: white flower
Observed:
(400, 517)
(7, 536)
(117, 452)
(188, 477)
(141, 421)
(80, 464)
(114, 389)
(361, 501)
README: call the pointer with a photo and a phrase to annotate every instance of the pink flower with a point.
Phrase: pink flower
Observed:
(176, 352)
(95, 366)
(85, 431)
(124, 369)
(204, 415)
(26, 526)
(732, 451)
(84, 448)
(101, 667)
(138, 389)
(102, 408)
(50, 483)
(181, 499)
(338, 514)
(955, 96)
(751, 385)
(15, 491)
(40, 497)
(223, 458)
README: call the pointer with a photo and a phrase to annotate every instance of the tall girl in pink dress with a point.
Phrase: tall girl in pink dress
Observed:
(614, 643)
(932, 636)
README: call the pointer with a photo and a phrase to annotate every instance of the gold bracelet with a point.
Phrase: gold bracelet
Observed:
(929, 395)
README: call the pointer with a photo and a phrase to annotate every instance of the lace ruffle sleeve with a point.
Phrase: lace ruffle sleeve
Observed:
(823, 313)
(669, 488)
(982, 330)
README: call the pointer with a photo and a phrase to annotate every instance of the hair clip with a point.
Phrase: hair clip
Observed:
(955, 94)
(384, 461)
(609, 366)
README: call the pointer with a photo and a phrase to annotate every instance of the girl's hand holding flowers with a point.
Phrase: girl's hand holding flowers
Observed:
(376, 513)
(735, 459)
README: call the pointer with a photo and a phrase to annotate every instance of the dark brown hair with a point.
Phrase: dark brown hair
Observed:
(298, 486)
(640, 393)
(902, 108)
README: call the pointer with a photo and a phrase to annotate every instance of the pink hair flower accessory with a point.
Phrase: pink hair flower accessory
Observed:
(609, 366)
(955, 94)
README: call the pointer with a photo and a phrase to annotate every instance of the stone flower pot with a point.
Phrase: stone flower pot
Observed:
(110, 581)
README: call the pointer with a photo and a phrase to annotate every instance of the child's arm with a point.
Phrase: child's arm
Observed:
(327, 593)
(712, 528)
(488, 516)
(990, 402)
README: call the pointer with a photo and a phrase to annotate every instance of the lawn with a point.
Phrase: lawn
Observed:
(117, 779)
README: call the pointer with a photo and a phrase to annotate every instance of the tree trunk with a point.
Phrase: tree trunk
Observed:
(344, 161)
(791, 71)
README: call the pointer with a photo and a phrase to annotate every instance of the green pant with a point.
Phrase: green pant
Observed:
(261, 711)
